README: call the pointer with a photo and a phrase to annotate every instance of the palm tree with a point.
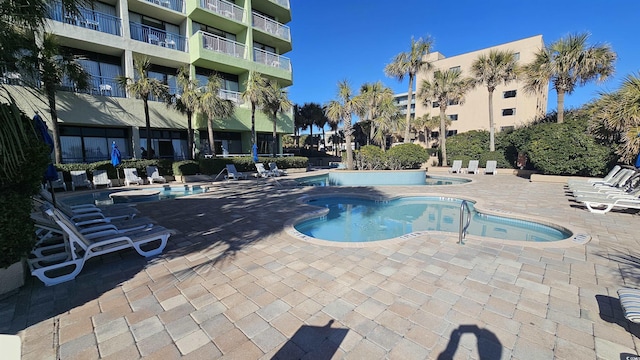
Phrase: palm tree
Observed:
(142, 87)
(445, 87)
(342, 109)
(255, 92)
(410, 64)
(56, 66)
(312, 114)
(298, 123)
(427, 123)
(187, 102)
(499, 66)
(214, 107)
(379, 110)
(567, 63)
(277, 101)
(616, 118)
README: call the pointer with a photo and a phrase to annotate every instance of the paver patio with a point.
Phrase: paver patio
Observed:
(233, 284)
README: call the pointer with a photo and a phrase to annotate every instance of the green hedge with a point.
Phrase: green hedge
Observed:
(165, 167)
(213, 166)
(17, 233)
(371, 157)
(407, 156)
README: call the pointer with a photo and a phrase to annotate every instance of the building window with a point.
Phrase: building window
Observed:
(166, 144)
(435, 104)
(451, 132)
(455, 68)
(454, 102)
(453, 117)
(509, 94)
(516, 56)
(91, 144)
(508, 112)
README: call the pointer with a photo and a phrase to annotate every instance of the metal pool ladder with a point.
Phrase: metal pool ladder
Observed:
(463, 228)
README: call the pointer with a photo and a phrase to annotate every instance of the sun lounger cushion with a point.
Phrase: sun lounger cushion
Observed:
(630, 301)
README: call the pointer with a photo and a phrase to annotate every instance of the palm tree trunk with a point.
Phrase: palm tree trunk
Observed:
(148, 125)
(324, 142)
(190, 135)
(492, 131)
(442, 137)
(408, 116)
(560, 106)
(211, 139)
(347, 136)
(254, 140)
(57, 149)
(275, 139)
(311, 135)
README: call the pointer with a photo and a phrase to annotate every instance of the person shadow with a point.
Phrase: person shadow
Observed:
(312, 342)
(489, 346)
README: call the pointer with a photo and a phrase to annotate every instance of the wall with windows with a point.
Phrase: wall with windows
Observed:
(511, 104)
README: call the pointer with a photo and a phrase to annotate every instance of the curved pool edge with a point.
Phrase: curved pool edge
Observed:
(578, 236)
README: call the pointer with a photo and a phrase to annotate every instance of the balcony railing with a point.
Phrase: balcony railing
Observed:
(222, 45)
(271, 59)
(234, 96)
(87, 18)
(98, 85)
(176, 5)
(283, 3)
(271, 26)
(158, 37)
(224, 8)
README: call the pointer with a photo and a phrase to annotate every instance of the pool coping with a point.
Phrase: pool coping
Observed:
(579, 236)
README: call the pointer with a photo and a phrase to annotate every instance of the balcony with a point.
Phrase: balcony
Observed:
(234, 96)
(224, 8)
(89, 19)
(222, 45)
(98, 85)
(283, 3)
(271, 59)
(158, 37)
(175, 5)
(271, 27)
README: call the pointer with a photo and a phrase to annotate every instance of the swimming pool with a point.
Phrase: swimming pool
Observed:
(356, 220)
(365, 178)
(164, 193)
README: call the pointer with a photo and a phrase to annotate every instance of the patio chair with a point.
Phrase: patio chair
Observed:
(234, 174)
(491, 166)
(607, 177)
(273, 167)
(83, 214)
(79, 179)
(473, 167)
(153, 175)
(100, 177)
(456, 167)
(630, 302)
(131, 177)
(616, 181)
(65, 266)
(58, 183)
(262, 172)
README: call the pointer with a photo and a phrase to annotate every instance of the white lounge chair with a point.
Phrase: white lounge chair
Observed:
(100, 177)
(473, 167)
(616, 181)
(262, 171)
(273, 167)
(606, 178)
(234, 174)
(88, 213)
(601, 205)
(491, 166)
(131, 177)
(57, 268)
(79, 179)
(456, 167)
(58, 183)
(630, 302)
(153, 175)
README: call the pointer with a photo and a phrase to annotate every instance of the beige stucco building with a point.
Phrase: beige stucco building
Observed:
(512, 105)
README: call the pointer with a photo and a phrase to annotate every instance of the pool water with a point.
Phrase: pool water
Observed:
(323, 180)
(166, 192)
(362, 220)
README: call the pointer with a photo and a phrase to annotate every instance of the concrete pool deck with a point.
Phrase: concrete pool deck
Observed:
(233, 284)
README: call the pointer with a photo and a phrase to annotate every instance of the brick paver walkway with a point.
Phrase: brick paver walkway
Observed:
(233, 284)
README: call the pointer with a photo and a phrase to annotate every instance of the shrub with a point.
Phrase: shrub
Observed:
(497, 156)
(467, 146)
(17, 233)
(186, 167)
(407, 156)
(213, 166)
(567, 149)
(370, 157)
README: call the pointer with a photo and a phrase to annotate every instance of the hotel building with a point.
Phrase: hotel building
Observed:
(226, 37)
(511, 104)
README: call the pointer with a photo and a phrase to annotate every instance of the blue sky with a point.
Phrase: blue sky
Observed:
(354, 40)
